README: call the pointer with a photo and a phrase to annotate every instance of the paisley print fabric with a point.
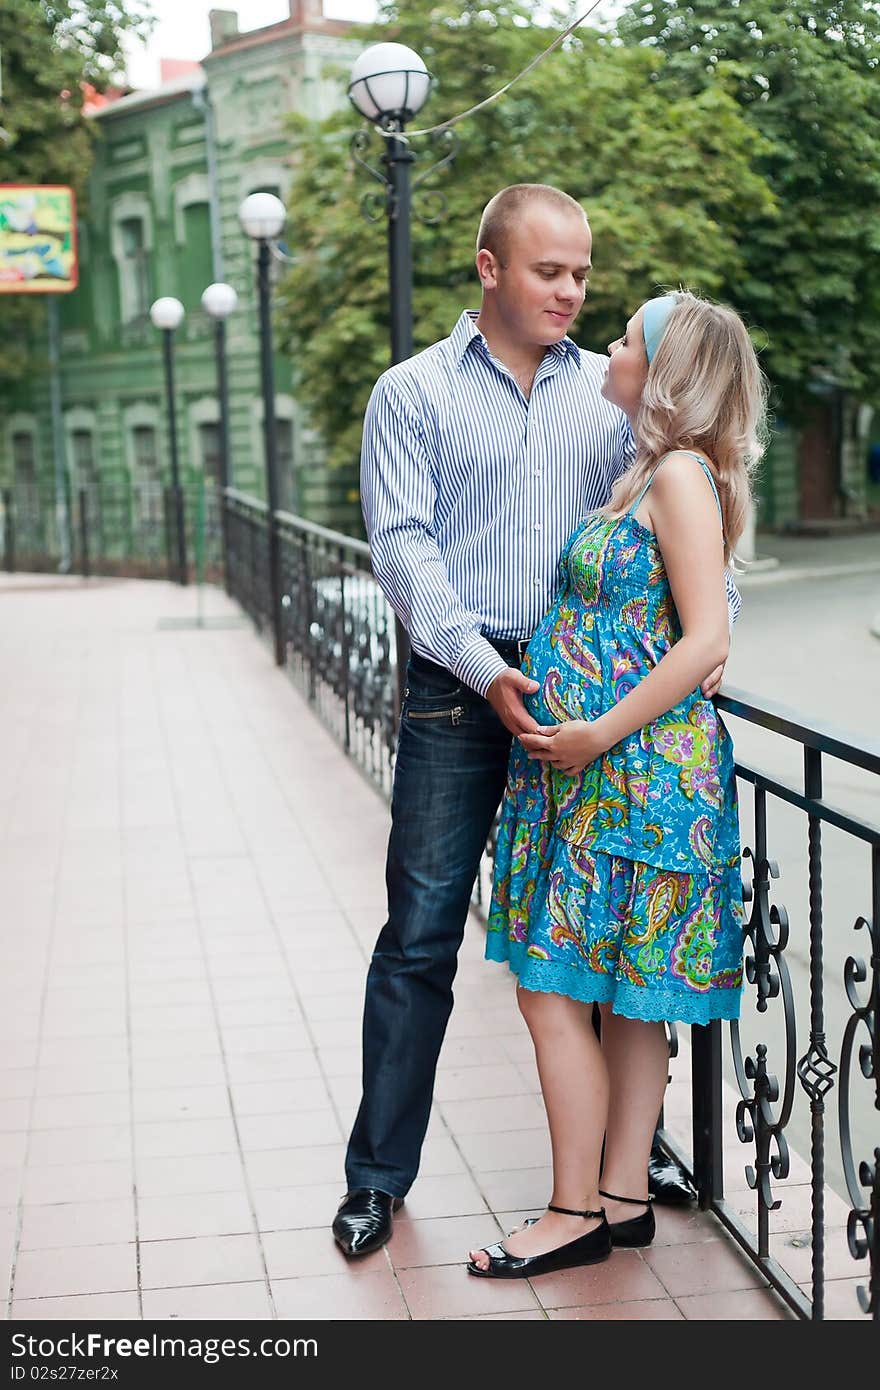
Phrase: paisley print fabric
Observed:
(621, 883)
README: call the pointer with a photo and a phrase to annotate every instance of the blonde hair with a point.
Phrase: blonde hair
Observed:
(706, 392)
(502, 211)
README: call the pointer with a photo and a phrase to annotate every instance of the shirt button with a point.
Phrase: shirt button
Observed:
(537, 583)
(538, 526)
(538, 472)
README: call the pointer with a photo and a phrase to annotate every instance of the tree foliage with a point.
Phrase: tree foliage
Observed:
(48, 49)
(666, 180)
(808, 82)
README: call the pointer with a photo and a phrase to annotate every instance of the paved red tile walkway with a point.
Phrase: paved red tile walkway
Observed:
(192, 882)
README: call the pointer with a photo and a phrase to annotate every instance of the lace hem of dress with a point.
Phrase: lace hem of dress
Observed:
(654, 1005)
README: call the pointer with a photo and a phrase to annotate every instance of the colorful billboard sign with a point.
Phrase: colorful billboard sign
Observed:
(37, 239)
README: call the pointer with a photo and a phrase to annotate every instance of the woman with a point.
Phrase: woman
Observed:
(617, 865)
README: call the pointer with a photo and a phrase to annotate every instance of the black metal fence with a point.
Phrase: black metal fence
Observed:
(338, 645)
(113, 529)
(337, 630)
(766, 1079)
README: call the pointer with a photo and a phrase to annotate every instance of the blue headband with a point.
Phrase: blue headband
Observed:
(654, 319)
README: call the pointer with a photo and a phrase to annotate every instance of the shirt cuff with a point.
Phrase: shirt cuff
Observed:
(479, 664)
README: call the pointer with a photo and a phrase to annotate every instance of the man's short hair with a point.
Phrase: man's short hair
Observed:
(502, 211)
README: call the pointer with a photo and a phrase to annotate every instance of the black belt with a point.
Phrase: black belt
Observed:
(513, 649)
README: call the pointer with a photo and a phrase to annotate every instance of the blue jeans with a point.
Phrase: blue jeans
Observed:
(449, 777)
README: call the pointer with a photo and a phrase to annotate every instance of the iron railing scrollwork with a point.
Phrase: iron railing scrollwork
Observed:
(863, 1226)
(765, 967)
(816, 1071)
(764, 1110)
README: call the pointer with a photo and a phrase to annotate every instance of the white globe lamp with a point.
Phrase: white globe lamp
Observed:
(167, 313)
(389, 82)
(262, 215)
(219, 300)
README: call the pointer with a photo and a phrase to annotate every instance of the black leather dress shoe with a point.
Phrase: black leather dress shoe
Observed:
(586, 1250)
(364, 1220)
(667, 1180)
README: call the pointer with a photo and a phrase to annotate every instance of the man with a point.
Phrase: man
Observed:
(479, 457)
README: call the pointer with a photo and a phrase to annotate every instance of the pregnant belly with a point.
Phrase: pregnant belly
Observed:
(569, 674)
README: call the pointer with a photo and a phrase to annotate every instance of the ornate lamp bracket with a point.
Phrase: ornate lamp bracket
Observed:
(443, 140)
(375, 205)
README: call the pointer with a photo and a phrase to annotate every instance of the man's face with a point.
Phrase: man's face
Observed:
(540, 287)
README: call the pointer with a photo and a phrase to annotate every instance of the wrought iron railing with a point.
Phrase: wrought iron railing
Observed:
(337, 629)
(247, 556)
(122, 528)
(765, 1105)
(339, 637)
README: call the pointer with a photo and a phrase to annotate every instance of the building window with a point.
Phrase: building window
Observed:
(209, 449)
(287, 498)
(83, 450)
(147, 486)
(195, 261)
(134, 268)
(24, 457)
(146, 459)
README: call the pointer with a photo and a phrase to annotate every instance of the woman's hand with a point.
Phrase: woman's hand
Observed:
(570, 747)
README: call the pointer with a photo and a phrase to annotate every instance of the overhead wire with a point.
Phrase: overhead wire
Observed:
(487, 101)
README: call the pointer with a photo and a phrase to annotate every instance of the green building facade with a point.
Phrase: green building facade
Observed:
(171, 169)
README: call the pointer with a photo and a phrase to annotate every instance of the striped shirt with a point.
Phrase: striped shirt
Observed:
(470, 490)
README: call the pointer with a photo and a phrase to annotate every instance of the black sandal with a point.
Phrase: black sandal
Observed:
(586, 1250)
(639, 1230)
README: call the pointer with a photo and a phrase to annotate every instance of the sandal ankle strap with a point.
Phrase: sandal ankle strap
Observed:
(628, 1201)
(567, 1211)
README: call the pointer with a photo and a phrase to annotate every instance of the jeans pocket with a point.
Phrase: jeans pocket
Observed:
(433, 694)
(427, 682)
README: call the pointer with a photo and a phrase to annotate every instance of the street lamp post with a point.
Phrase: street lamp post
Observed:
(167, 315)
(262, 217)
(389, 86)
(219, 301)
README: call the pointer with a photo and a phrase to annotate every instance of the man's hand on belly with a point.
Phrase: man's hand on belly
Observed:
(505, 695)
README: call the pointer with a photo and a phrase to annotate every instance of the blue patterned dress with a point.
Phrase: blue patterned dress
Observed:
(621, 883)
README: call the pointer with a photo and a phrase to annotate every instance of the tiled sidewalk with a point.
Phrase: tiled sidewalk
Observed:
(192, 881)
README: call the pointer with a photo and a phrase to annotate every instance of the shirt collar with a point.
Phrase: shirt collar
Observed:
(465, 333)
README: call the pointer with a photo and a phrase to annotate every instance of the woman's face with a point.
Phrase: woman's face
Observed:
(627, 368)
